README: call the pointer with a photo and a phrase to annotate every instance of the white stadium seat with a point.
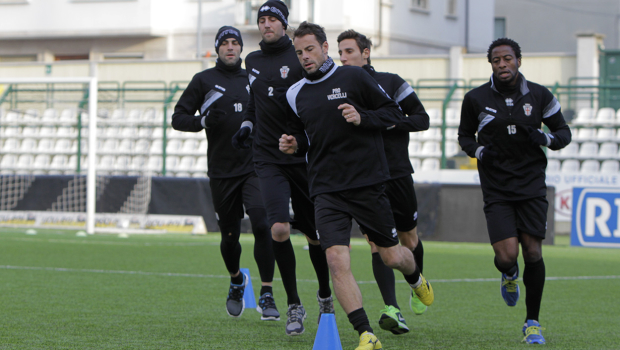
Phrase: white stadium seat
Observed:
(414, 148)
(156, 147)
(202, 148)
(553, 165)
(174, 146)
(186, 164)
(570, 166)
(50, 115)
(452, 148)
(126, 146)
(585, 116)
(142, 146)
(608, 150)
(588, 150)
(606, 116)
(434, 116)
(606, 134)
(590, 166)
(452, 134)
(415, 163)
(610, 167)
(24, 161)
(430, 149)
(10, 145)
(30, 145)
(201, 163)
(584, 134)
(30, 131)
(453, 117)
(154, 163)
(430, 164)
(432, 134)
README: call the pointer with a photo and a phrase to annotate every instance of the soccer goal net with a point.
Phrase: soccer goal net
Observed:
(73, 147)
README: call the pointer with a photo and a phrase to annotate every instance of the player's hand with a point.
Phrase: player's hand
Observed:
(350, 114)
(288, 144)
(538, 137)
(488, 154)
(240, 138)
(213, 117)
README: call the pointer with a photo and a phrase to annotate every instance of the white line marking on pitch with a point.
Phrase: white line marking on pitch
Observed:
(195, 275)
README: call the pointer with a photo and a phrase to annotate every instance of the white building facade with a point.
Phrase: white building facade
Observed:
(56, 30)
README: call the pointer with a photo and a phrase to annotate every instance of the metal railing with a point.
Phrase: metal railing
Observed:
(159, 94)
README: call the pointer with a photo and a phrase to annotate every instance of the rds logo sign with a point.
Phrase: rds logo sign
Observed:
(596, 217)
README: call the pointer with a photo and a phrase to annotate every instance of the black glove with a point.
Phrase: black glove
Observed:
(213, 117)
(488, 155)
(239, 140)
(537, 136)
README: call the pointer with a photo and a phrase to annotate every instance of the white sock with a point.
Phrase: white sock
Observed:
(417, 284)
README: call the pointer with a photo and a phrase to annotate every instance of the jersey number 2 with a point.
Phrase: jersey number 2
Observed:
(270, 91)
(512, 129)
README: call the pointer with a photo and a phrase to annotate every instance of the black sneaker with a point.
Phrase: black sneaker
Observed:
(326, 306)
(235, 304)
(267, 308)
(296, 316)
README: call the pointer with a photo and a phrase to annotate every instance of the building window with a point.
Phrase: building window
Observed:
(500, 27)
(420, 4)
(70, 57)
(18, 58)
(451, 8)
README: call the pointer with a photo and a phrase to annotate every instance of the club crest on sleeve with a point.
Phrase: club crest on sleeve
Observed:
(284, 72)
(527, 108)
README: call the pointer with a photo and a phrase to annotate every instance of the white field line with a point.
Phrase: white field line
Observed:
(193, 275)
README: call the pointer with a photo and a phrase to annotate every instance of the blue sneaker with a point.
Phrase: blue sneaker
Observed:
(532, 332)
(235, 304)
(510, 288)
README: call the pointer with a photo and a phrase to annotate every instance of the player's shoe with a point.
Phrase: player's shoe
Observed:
(392, 320)
(295, 322)
(416, 305)
(424, 292)
(510, 288)
(532, 332)
(267, 308)
(369, 341)
(326, 306)
(235, 304)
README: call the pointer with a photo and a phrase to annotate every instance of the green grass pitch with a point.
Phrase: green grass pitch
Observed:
(60, 291)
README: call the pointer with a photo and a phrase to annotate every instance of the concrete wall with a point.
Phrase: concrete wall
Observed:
(552, 25)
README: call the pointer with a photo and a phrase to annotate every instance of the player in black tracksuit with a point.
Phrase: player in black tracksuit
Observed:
(347, 167)
(271, 70)
(354, 50)
(220, 96)
(507, 113)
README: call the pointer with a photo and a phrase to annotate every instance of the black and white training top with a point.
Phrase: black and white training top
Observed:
(396, 140)
(270, 75)
(340, 155)
(222, 88)
(503, 121)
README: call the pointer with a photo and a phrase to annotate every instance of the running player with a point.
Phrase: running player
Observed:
(354, 50)
(506, 114)
(220, 95)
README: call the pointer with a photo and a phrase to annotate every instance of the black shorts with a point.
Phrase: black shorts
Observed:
(507, 219)
(284, 186)
(369, 206)
(230, 195)
(402, 197)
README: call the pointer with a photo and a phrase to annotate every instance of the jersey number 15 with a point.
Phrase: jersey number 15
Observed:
(512, 129)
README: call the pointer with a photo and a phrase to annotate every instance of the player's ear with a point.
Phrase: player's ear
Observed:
(518, 63)
(325, 47)
(366, 53)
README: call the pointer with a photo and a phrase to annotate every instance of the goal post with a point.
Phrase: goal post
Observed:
(92, 135)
